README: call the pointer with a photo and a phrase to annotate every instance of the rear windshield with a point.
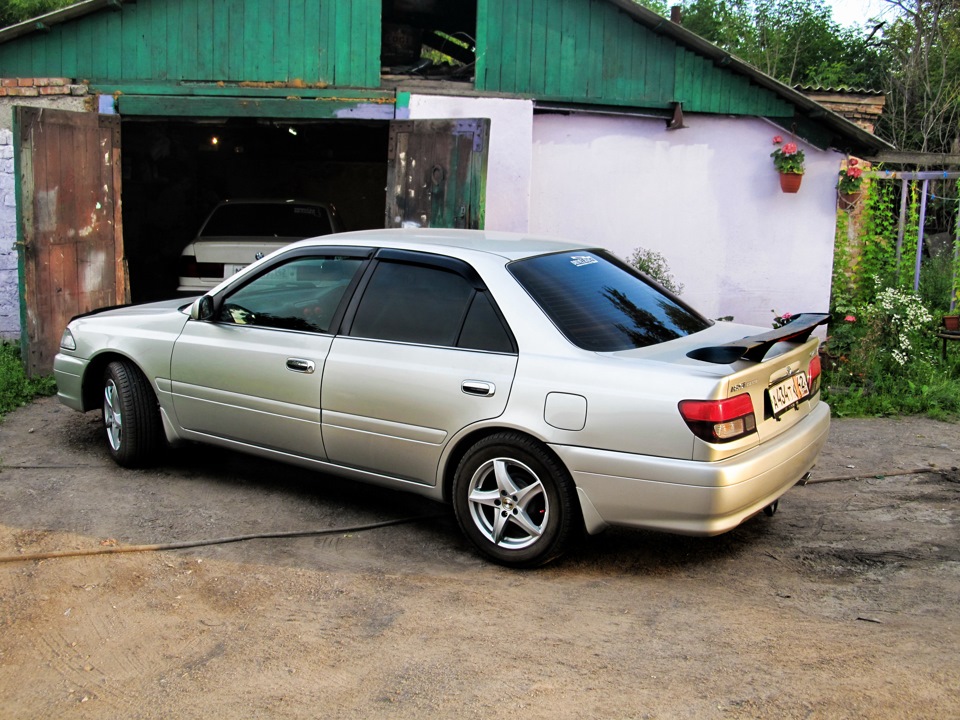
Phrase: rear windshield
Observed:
(288, 220)
(601, 304)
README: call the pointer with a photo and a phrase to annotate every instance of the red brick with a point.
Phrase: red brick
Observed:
(25, 82)
(23, 91)
(8, 82)
(54, 91)
(3, 92)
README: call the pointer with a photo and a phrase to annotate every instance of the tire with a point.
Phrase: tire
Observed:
(131, 417)
(515, 501)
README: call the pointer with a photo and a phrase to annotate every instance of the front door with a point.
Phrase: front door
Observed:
(252, 373)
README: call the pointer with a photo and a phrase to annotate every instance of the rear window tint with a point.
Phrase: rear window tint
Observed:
(601, 304)
(268, 220)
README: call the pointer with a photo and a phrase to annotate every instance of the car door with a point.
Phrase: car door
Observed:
(251, 373)
(424, 353)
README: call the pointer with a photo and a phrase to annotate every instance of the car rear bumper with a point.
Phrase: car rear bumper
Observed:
(689, 497)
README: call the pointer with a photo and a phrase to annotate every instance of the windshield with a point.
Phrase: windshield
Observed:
(287, 220)
(602, 304)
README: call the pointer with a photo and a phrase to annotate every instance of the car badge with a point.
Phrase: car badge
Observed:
(258, 256)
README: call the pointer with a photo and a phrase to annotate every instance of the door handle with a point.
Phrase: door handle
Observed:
(478, 387)
(301, 366)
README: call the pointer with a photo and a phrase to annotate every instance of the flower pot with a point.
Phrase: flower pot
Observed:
(951, 323)
(849, 200)
(790, 182)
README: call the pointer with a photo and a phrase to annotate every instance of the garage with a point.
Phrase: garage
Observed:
(105, 224)
(174, 172)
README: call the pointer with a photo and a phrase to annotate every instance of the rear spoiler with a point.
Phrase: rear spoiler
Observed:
(754, 347)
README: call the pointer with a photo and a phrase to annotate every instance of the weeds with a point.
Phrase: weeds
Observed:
(16, 389)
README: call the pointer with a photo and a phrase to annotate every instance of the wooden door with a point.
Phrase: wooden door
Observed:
(437, 173)
(69, 229)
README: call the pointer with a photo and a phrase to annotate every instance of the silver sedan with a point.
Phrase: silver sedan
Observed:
(541, 387)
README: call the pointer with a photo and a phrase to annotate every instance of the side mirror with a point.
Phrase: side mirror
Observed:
(202, 309)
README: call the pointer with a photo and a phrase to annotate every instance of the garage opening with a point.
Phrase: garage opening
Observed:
(176, 171)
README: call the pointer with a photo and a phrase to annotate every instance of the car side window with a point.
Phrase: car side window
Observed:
(302, 294)
(429, 306)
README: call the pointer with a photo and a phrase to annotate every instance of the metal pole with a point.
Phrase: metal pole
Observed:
(956, 258)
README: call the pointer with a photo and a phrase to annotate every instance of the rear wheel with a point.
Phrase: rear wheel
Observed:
(131, 417)
(515, 501)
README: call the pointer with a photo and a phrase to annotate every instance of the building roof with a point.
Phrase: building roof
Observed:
(759, 93)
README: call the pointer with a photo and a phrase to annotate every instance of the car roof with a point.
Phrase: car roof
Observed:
(509, 245)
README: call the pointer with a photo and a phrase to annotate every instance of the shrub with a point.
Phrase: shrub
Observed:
(653, 264)
(16, 389)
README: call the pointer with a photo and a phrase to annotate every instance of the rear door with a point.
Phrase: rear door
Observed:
(425, 353)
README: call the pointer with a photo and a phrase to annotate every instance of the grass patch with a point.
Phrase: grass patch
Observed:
(16, 389)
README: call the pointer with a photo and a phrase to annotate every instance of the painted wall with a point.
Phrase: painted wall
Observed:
(706, 197)
(509, 158)
(9, 300)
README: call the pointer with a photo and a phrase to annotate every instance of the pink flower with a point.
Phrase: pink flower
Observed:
(777, 139)
(850, 318)
(853, 162)
(787, 316)
(854, 172)
(789, 148)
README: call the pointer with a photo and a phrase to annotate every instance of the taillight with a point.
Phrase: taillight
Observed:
(719, 421)
(813, 375)
(189, 267)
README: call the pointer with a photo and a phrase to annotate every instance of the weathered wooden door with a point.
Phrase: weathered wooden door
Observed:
(69, 229)
(437, 173)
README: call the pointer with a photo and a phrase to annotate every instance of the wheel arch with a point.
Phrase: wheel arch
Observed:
(463, 444)
(91, 388)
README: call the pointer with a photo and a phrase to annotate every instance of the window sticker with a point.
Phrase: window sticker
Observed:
(581, 260)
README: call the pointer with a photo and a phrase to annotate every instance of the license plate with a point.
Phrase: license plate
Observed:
(788, 392)
(229, 270)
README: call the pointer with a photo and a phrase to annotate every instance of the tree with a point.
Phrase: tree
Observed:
(15, 11)
(923, 102)
(795, 41)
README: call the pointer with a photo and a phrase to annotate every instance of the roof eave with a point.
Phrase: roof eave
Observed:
(852, 138)
(44, 22)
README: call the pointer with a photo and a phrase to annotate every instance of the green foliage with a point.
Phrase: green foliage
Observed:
(795, 41)
(787, 158)
(922, 46)
(15, 11)
(653, 264)
(882, 356)
(16, 388)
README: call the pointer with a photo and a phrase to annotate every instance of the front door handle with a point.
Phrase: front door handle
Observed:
(478, 387)
(300, 365)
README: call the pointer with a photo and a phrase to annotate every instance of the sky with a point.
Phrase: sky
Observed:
(856, 12)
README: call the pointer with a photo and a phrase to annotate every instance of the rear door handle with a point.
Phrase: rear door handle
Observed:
(478, 387)
(300, 365)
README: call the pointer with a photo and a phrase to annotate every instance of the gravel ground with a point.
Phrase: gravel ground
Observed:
(843, 605)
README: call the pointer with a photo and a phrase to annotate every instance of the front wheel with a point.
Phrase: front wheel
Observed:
(131, 418)
(514, 500)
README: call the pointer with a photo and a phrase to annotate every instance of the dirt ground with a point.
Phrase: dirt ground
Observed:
(843, 605)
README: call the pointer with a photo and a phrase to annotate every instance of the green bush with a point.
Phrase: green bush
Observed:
(882, 357)
(16, 389)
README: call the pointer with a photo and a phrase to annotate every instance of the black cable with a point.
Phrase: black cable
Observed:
(217, 541)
